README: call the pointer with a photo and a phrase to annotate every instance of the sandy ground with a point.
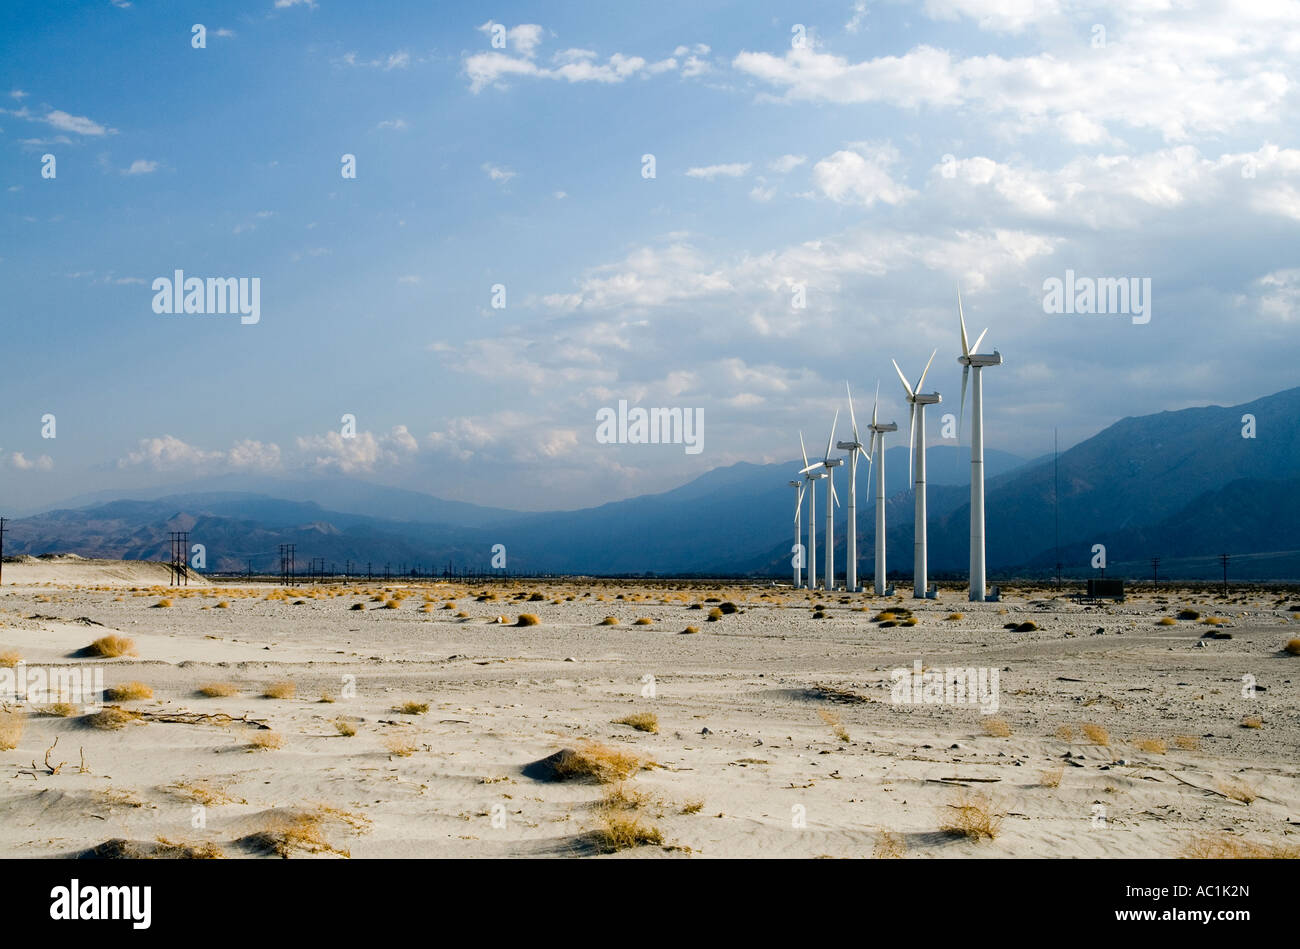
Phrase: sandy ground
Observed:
(750, 758)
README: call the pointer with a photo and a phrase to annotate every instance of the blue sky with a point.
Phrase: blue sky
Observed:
(899, 151)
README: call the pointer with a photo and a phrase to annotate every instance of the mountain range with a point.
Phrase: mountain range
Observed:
(1182, 485)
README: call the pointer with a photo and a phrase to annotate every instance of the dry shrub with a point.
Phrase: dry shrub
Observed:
(972, 815)
(181, 850)
(280, 690)
(218, 690)
(1188, 614)
(643, 621)
(608, 621)
(715, 614)
(997, 728)
(619, 830)
(129, 692)
(412, 707)
(1096, 734)
(59, 709)
(11, 729)
(345, 728)
(884, 617)
(263, 739)
(11, 657)
(693, 807)
(889, 846)
(399, 746)
(595, 761)
(1155, 746)
(1252, 721)
(953, 617)
(1224, 847)
(1028, 626)
(223, 605)
(690, 629)
(111, 718)
(641, 721)
(302, 830)
(1238, 790)
(910, 621)
(162, 604)
(111, 647)
(1065, 733)
(834, 723)
(1292, 646)
(1166, 621)
(1187, 743)
(528, 619)
(357, 606)
(201, 793)
(1051, 777)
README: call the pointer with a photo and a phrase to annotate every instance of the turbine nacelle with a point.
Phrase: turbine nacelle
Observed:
(833, 462)
(980, 360)
(926, 398)
(849, 446)
(885, 427)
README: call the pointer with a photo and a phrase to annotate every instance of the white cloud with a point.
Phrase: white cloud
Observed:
(141, 167)
(21, 462)
(78, 124)
(786, 163)
(861, 176)
(498, 174)
(397, 124)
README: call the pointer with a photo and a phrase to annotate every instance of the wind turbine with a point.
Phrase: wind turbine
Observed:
(854, 448)
(828, 465)
(878, 430)
(808, 475)
(798, 507)
(970, 359)
(918, 400)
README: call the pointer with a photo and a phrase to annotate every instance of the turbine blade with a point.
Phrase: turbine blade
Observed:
(902, 379)
(875, 405)
(835, 496)
(979, 339)
(803, 450)
(920, 382)
(815, 464)
(965, 350)
(830, 442)
(852, 418)
(961, 412)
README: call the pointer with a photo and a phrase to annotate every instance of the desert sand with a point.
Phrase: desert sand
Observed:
(1115, 736)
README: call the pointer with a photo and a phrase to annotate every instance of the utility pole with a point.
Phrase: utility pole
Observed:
(1155, 572)
(180, 547)
(1223, 559)
(3, 531)
(1056, 501)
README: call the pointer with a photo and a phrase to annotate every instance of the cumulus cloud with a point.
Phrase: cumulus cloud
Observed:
(861, 176)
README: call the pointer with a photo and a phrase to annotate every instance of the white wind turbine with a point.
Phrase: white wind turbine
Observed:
(970, 359)
(809, 475)
(878, 432)
(918, 400)
(798, 507)
(828, 464)
(854, 448)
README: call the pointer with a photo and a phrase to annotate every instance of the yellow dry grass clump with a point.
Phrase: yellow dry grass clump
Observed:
(1051, 778)
(641, 721)
(618, 825)
(304, 831)
(1187, 743)
(1252, 721)
(528, 619)
(889, 846)
(128, 692)
(264, 739)
(11, 729)
(1096, 734)
(11, 657)
(162, 604)
(412, 707)
(280, 690)
(111, 718)
(1166, 621)
(643, 621)
(1065, 733)
(600, 762)
(218, 690)
(1292, 646)
(997, 728)
(345, 728)
(400, 746)
(973, 816)
(834, 723)
(111, 647)
(59, 709)
(1238, 790)
(1154, 746)
(690, 629)
(608, 621)
(1224, 847)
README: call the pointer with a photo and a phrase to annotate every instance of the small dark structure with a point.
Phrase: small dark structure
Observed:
(1102, 588)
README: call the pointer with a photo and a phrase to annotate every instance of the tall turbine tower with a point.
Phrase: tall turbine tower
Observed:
(970, 359)
(828, 465)
(854, 448)
(798, 506)
(878, 432)
(918, 400)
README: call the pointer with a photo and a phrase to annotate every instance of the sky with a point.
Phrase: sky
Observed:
(826, 176)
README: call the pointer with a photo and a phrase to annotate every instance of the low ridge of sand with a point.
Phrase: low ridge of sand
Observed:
(777, 734)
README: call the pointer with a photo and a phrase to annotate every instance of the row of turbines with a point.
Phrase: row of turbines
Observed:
(917, 400)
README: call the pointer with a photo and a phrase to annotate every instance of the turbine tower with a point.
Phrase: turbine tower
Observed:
(854, 448)
(970, 359)
(917, 401)
(798, 506)
(828, 465)
(878, 430)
